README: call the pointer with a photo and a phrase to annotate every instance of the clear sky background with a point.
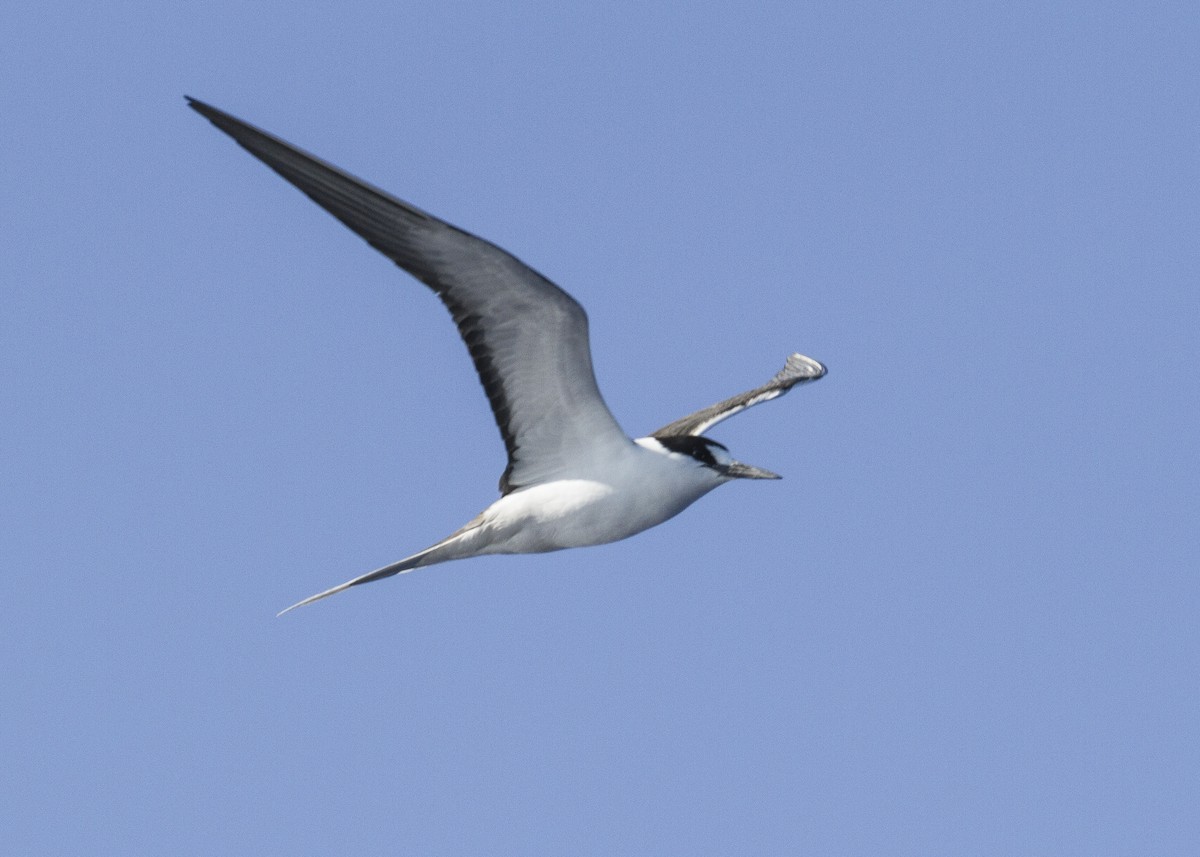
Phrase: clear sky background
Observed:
(965, 623)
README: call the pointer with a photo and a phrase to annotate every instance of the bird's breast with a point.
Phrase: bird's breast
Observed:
(568, 513)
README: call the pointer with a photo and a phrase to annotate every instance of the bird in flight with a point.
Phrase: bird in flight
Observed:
(574, 478)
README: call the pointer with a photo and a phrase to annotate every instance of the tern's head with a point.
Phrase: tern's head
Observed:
(714, 456)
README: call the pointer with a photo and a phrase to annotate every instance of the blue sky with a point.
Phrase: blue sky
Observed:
(965, 621)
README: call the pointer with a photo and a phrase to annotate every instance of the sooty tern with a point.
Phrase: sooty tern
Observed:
(573, 477)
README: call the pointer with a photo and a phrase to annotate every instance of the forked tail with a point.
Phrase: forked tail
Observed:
(449, 548)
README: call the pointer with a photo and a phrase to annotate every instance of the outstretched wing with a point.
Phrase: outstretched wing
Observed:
(798, 370)
(527, 337)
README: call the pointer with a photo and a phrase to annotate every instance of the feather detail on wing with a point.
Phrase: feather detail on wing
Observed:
(527, 337)
(798, 370)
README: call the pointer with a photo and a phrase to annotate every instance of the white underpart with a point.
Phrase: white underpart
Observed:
(637, 491)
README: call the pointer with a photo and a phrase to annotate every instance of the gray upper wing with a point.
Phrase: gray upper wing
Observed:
(527, 337)
(798, 370)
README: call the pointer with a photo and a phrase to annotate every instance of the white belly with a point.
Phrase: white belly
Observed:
(642, 492)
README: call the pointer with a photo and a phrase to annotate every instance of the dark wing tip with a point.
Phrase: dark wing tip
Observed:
(220, 118)
(198, 105)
